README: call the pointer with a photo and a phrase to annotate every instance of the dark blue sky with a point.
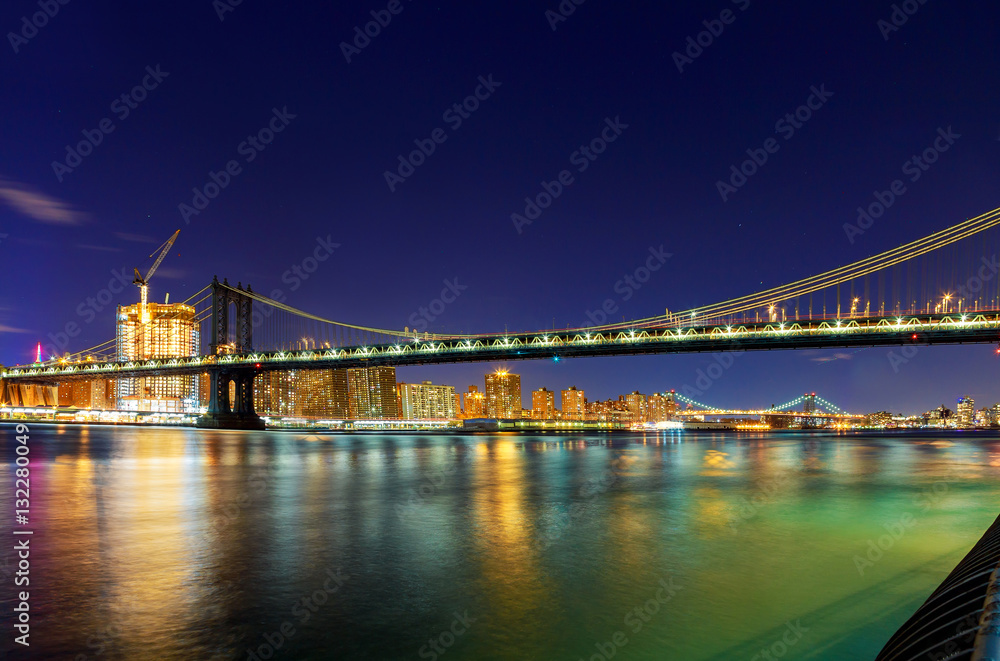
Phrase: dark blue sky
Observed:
(323, 175)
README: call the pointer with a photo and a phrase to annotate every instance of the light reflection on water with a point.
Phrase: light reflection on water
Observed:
(176, 543)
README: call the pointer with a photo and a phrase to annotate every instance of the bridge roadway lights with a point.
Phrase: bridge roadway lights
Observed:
(242, 414)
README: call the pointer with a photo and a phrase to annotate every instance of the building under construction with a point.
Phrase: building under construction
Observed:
(168, 330)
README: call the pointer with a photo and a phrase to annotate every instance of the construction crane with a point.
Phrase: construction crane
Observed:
(143, 283)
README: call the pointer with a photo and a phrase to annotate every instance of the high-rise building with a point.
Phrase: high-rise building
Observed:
(426, 401)
(90, 394)
(966, 412)
(878, 419)
(275, 394)
(809, 402)
(322, 394)
(458, 405)
(169, 330)
(475, 404)
(543, 404)
(573, 404)
(660, 407)
(503, 395)
(635, 401)
(612, 410)
(372, 393)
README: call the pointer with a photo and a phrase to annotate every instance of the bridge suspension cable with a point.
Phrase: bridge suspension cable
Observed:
(688, 400)
(306, 315)
(788, 405)
(857, 269)
(827, 279)
(108, 348)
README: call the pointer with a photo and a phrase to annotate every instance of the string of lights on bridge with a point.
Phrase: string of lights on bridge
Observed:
(826, 409)
(278, 339)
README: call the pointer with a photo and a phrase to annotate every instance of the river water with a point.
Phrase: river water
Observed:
(157, 543)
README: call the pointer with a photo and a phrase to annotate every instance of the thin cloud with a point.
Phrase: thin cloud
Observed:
(86, 246)
(11, 329)
(135, 238)
(37, 205)
(837, 356)
(170, 273)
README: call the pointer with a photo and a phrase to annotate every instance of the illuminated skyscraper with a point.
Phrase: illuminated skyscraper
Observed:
(573, 404)
(660, 407)
(426, 401)
(543, 404)
(809, 403)
(90, 394)
(275, 394)
(966, 411)
(503, 395)
(170, 332)
(372, 393)
(475, 404)
(635, 401)
(323, 394)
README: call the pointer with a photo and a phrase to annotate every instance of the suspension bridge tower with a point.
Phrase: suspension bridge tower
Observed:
(238, 413)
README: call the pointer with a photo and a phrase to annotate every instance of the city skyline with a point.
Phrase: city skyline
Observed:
(451, 260)
(517, 330)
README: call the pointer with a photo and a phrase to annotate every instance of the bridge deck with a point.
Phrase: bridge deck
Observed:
(981, 327)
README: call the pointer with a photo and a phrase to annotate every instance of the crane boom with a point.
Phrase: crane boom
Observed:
(143, 283)
(163, 253)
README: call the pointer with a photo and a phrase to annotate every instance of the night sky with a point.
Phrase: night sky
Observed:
(67, 223)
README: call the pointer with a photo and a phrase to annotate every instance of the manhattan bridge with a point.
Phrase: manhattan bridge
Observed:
(939, 289)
